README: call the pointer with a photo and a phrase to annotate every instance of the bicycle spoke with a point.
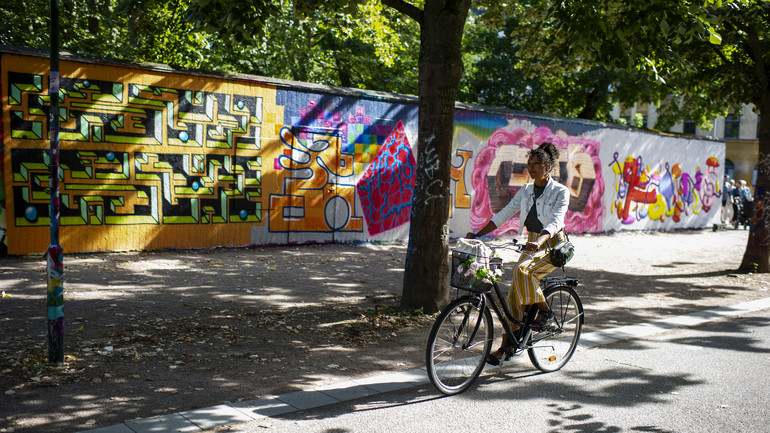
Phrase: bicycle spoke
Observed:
(453, 360)
(553, 348)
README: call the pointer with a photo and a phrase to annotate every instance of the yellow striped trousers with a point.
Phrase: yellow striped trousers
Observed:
(525, 289)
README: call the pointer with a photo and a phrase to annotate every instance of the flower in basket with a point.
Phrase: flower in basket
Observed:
(472, 268)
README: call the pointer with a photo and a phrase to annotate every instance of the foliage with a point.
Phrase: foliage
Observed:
(149, 30)
(495, 76)
(25, 23)
(692, 56)
(375, 49)
(356, 45)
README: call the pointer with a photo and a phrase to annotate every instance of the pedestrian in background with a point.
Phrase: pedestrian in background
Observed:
(745, 191)
(727, 201)
(735, 195)
(747, 203)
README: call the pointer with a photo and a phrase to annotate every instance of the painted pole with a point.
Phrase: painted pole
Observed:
(55, 254)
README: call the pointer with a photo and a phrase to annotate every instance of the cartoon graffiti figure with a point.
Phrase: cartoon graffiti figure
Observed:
(667, 192)
(635, 188)
(710, 186)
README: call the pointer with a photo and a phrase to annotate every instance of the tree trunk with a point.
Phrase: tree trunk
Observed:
(426, 279)
(594, 100)
(757, 255)
(93, 20)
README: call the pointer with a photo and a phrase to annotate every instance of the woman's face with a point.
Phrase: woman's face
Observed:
(536, 169)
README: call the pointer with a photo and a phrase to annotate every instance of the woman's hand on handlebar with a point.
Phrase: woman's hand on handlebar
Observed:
(531, 247)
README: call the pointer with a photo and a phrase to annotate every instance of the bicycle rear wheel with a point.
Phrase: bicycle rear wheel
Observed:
(458, 345)
(552, 348)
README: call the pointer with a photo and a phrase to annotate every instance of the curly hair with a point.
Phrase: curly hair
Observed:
(548, 154)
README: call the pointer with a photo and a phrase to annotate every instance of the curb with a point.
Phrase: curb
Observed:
(196, 420)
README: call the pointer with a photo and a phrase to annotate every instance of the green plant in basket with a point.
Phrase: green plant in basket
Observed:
(472, 268)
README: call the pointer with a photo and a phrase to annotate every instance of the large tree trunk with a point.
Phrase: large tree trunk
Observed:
(426, 271)
(757, 255)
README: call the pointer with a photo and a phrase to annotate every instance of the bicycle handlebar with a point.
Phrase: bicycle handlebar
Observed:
(513, 245)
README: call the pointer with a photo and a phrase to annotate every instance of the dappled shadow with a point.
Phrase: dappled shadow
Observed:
(569, 397)
(161, 332)
(572, 395)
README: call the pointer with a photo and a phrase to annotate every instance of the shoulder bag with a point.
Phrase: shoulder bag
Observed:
(562, 252)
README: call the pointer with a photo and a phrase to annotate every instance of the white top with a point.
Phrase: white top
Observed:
(551, 206)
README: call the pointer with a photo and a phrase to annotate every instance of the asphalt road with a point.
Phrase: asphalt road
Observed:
(710, 378)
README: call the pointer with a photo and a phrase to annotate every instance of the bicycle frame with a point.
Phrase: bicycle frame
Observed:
(456, 348)
(504, 313)
(506, 318)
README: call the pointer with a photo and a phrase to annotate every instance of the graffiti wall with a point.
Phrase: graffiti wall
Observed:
(153, 158)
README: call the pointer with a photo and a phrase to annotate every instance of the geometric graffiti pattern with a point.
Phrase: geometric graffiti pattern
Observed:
(326, 145)
(358, 136)
(204, 165)
(387, 185)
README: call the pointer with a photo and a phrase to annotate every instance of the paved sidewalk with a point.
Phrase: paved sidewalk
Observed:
(245, 411)
(200, 338)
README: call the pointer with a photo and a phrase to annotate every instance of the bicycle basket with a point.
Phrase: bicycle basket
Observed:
(460, 280)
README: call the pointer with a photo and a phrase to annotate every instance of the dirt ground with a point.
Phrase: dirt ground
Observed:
(155, 333)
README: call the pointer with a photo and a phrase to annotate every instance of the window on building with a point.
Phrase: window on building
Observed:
(732, 126)
(729, 169)
(754, 176)
(689, 127)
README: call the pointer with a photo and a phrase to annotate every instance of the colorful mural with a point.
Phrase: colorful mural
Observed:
(133, 154)
(151, 158)
(328, 146)
(501, 169)
(643, 193)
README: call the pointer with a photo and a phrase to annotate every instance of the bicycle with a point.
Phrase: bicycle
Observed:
(461, 337)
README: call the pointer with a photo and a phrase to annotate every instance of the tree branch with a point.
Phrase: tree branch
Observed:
(405, 8)
(752, 47)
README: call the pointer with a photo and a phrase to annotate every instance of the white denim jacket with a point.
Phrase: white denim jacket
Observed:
(551, 206)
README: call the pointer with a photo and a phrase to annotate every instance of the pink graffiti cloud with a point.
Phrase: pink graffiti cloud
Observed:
(587, 220)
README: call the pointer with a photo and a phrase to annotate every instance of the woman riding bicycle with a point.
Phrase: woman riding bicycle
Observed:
(542, 206)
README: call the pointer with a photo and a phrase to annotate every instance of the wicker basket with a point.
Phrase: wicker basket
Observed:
(471, 283)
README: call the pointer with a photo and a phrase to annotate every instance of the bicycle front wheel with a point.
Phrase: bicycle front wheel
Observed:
(552, 348)
(458, 345)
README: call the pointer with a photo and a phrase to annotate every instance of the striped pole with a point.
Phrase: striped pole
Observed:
(55, 254)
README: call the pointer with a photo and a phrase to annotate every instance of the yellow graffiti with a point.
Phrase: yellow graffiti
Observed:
(463, 199)
(315, 180)
(658, 209)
